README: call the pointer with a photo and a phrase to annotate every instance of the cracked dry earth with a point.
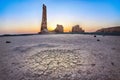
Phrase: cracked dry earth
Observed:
(60, 57)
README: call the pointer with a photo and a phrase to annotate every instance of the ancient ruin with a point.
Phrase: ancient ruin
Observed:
(44, 20)
(77, 28)
(59, 28)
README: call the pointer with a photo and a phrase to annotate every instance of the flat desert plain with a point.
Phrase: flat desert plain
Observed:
(60, 57)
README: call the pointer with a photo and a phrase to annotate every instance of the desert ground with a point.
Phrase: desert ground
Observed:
(60, 57)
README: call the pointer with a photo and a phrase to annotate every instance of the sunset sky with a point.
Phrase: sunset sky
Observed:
(24, 16)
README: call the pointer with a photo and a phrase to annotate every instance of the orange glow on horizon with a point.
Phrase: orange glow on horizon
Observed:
(35, 29)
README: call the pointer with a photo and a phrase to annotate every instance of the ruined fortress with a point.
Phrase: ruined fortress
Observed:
(59, 28)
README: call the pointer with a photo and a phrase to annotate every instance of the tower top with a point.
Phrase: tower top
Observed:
(44, 5)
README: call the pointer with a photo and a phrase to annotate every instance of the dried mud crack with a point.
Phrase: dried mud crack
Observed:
(58, 64)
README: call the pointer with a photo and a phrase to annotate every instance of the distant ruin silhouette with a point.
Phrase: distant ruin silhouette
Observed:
(44, 20)
(58, 29)
(77, 29)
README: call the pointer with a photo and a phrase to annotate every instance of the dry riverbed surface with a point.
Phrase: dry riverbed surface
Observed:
(60, 57)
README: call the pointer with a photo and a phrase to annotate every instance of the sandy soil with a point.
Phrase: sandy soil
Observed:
(60, 57)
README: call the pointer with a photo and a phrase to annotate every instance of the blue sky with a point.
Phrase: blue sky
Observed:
(24, 16)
